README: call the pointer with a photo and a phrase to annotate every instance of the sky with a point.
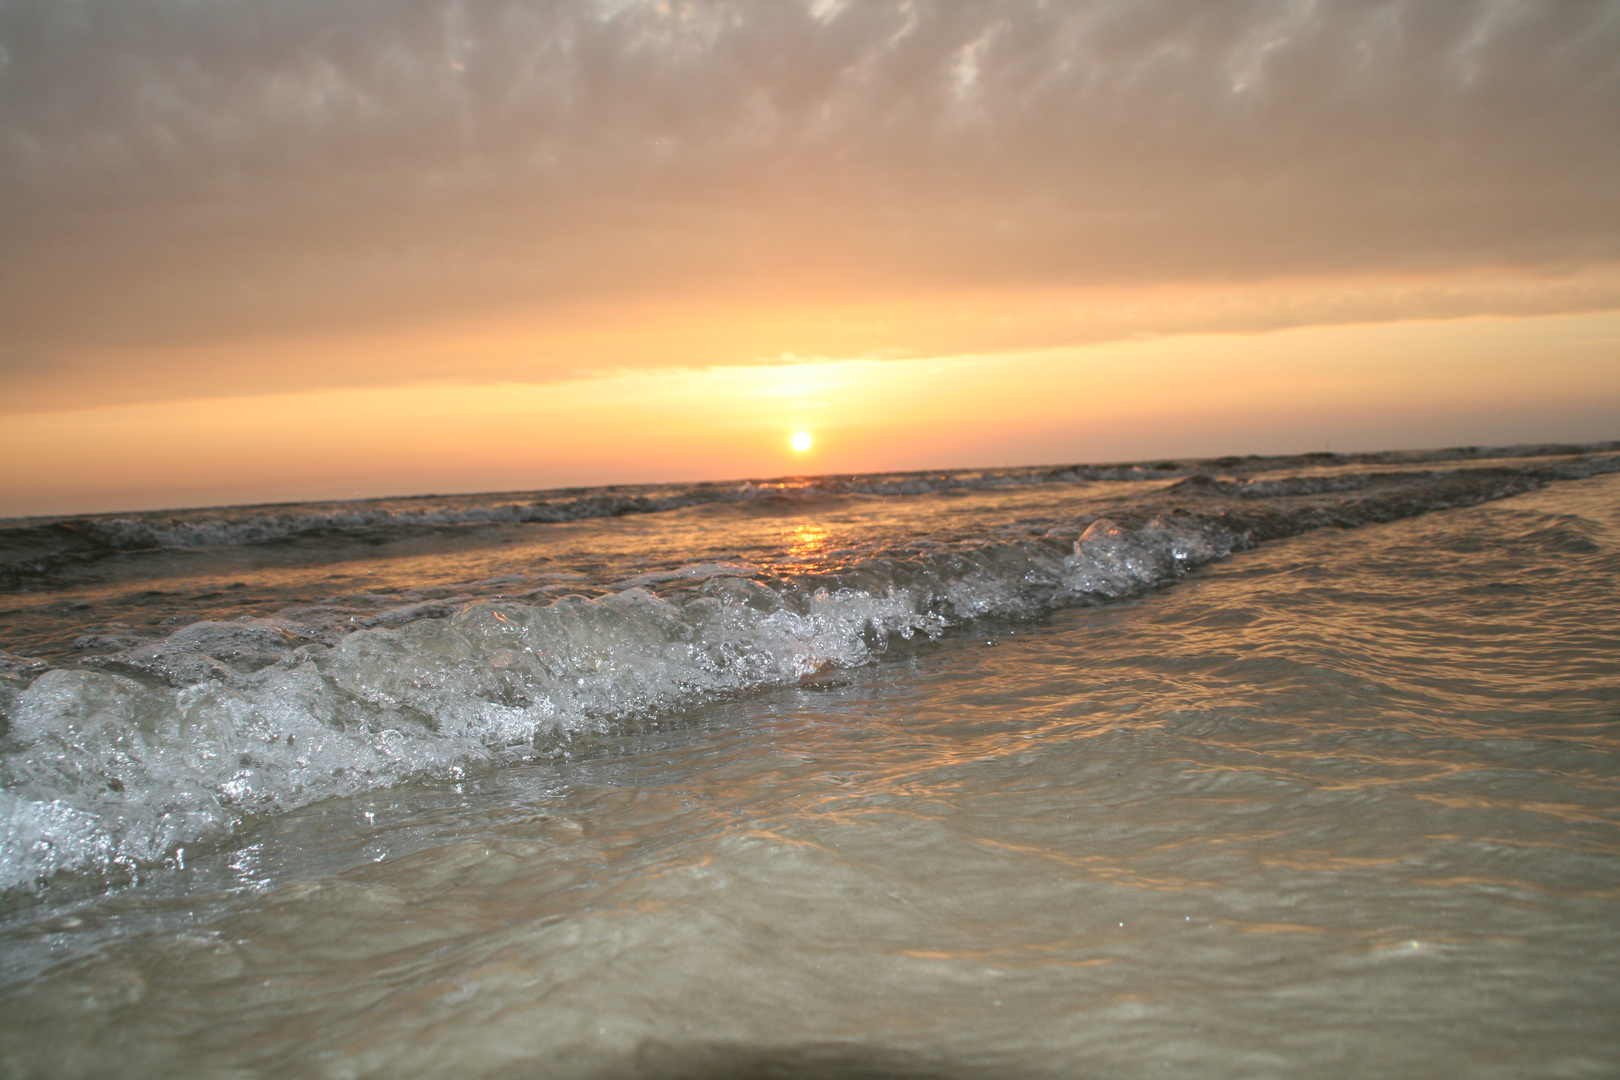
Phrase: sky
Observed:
(267, 250)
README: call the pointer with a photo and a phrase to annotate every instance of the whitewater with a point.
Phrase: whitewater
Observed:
(1233, 767)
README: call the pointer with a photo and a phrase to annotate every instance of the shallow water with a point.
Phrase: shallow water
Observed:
(1345, 804)
(165, 706)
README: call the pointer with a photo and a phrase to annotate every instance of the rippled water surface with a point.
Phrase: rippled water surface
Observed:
(1345, 804)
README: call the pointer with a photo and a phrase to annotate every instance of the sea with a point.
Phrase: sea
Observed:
(1300, 766)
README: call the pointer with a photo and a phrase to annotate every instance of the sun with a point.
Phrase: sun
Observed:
(801, 441)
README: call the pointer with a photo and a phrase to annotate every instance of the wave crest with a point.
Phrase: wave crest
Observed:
(177, 742)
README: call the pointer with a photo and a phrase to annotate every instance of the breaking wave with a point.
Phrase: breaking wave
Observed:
(176, 743)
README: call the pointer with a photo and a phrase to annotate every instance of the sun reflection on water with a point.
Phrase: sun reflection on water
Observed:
(806, 542)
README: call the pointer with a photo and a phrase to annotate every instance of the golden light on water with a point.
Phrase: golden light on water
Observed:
(801, 441)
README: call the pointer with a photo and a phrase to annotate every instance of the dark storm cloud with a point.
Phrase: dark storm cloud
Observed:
(180, 171)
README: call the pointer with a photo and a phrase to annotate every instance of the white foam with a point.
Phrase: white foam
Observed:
(107, 770)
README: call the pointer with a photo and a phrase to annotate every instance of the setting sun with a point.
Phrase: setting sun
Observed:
(800, 441)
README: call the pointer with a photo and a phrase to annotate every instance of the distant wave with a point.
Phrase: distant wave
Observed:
(31, 549)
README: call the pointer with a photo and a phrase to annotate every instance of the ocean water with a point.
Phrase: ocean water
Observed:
(1247, 767)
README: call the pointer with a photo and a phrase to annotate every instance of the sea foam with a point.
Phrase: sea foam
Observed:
(178, 742)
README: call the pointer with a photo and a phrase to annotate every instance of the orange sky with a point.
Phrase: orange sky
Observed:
(255, 251)
(1309, 388)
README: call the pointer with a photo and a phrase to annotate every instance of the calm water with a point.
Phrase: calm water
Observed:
(1140, 776)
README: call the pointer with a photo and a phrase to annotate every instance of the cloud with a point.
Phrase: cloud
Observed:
(180, 174)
